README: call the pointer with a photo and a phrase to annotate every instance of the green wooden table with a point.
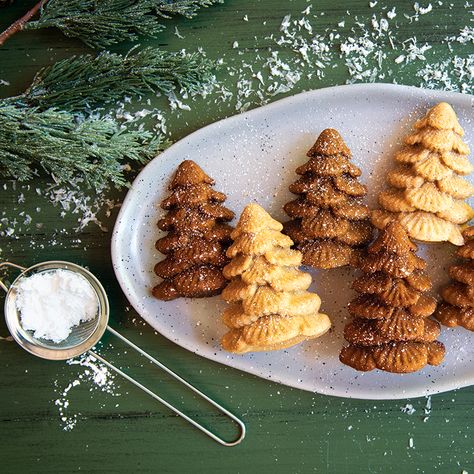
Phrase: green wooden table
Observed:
(288, 430)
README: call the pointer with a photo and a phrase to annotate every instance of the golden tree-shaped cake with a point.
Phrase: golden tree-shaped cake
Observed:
(329, 222)
(457, 309)
(427, 192)
(270, 307)
(392, 330)
(197, 238)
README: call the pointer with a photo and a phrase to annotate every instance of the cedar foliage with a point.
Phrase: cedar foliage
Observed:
(100, 24)
(46, 128)
(87, 81)
(31, 139)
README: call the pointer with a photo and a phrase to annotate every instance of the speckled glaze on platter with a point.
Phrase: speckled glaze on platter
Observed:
(253, 157)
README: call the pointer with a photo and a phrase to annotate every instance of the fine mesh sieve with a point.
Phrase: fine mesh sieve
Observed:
(85, 335)
(82, 337)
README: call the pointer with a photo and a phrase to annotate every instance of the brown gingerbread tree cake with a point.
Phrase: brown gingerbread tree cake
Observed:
(457, 308)
(427, 191)
(391, 329)
(198, 237)
(270, 307)
(330, 223)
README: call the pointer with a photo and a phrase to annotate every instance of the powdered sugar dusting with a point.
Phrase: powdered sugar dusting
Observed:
(372, 47)
(408, 409)
(92, 376)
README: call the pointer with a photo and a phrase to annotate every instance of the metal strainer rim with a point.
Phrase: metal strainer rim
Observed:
(14, 326)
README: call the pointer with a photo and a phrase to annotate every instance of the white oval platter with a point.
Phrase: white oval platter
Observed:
(253, 157)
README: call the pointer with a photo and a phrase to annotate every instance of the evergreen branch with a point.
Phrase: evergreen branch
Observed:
(186, 8)
(19, 24)
(67, 149)
(35, 134)
(86, 81)
(102, 23)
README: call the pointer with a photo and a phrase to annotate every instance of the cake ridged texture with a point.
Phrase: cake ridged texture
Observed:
(198, 237)
(457, 307)
(391, 329)
(427, 189)
(329, 221)
(269, 305)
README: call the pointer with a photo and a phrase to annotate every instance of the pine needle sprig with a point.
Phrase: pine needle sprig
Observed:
(55, 141)
(84, 82)
(44, 128)
(186, 8)
(100, 24)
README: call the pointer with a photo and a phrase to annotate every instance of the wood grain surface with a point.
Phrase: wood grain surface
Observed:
(289, 431)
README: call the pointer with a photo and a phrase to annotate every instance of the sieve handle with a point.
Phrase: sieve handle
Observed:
(3, 286)
(223, 410)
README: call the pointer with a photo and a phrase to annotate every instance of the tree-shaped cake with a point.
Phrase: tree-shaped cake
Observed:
(197, 238)
(457, 309)
(427, 194)
(270, 307)
(329, 222)
(392, 330)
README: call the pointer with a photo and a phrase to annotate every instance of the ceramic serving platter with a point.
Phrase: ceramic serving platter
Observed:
(252, 158)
